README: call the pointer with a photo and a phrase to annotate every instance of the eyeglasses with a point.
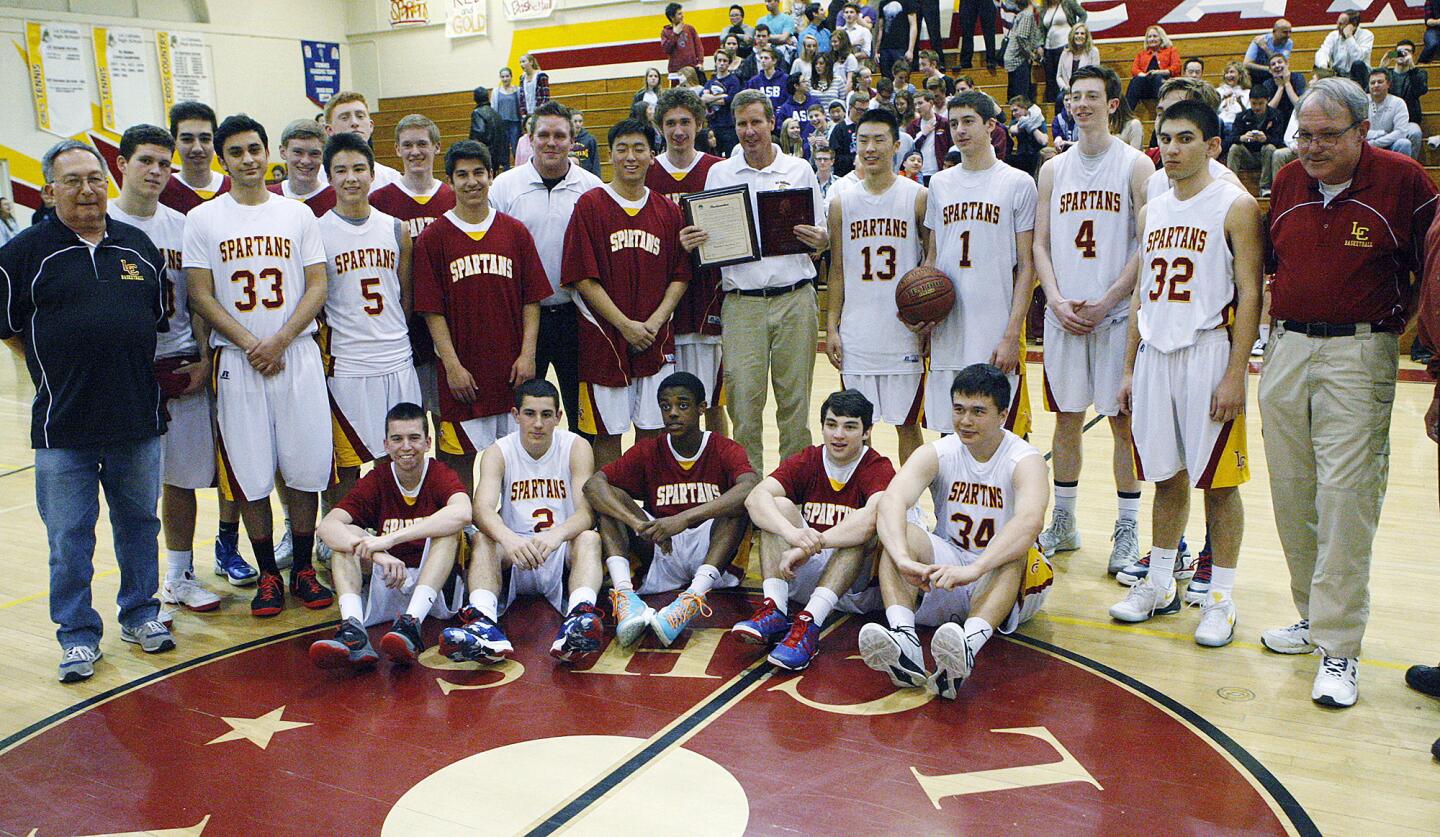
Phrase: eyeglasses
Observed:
(1324, 139)
(75, 181)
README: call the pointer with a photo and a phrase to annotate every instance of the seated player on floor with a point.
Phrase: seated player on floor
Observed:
(402, 522)
(816, 516)
(675, 503)
(535, 526)
(979, 569)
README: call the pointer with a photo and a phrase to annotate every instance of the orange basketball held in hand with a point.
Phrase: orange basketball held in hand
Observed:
(923, 295)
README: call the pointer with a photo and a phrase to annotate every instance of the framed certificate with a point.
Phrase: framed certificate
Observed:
(726, 214)
(780, 211)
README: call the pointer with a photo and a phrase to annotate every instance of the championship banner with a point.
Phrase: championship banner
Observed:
(322, 70)
(409, 13)
(184, 69)
(1117, 20)
(527, 9)
(125, 70)
(59, 77)
(466, 19)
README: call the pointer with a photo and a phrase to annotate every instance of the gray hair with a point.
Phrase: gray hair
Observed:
(746, 98)
(47, 163)
(1341, 92)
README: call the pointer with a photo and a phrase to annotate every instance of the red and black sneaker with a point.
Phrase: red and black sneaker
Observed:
(269, 596)
(402, 644)
(306, 587)
(350, 648)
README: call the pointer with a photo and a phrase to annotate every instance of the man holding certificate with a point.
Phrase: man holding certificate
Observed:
(769, 317)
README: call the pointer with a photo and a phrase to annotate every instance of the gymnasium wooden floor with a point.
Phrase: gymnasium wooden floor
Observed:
(235, 733)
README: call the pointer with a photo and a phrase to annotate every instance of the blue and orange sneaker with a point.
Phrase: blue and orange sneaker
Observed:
(800, 645)
(670, 620)
(632, 616)
(480, 640)
(578, 640)
(766, 626)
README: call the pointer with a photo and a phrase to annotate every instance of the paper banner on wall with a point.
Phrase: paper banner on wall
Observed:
(322, 70)
(129, 84)
(59, 76)
(527, 9)
(466, 19)
(185, 74)
(409, 12)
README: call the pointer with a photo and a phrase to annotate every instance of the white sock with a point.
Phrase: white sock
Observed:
(1129, 507)
(421, 601)
(899, 617)
(485, 602)
(705, 578)
(822, 601)
(351, 606)
(177, 563)
(1222, 580)
(1065, 497)
(977, 631)
(579, 596)
(1162, 567)
(619, 567)
(777, 590)
(1265, 332)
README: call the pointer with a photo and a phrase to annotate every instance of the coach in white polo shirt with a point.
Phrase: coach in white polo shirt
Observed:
(769, 316)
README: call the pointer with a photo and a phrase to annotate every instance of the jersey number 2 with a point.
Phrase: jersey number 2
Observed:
(274, 299)
(544, 519)
(967, 535)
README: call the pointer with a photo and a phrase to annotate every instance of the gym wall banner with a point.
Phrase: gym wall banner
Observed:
(129, 83)
(59, 76)
(466, 19)
(322, 70)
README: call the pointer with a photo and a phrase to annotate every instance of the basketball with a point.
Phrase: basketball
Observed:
(923, 295)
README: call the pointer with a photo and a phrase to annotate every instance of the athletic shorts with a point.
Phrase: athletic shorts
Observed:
(429, 386)
(546, 581)
(940, 606)
(675, 569)
(357, 413)
(703, 359)
(939, 409)
(188, 452)
(1171, 421)
(474, 434)
(383, 604)
(863, 595)
(277, 423)
(609, 411)
(1084, 369)
(899, 399)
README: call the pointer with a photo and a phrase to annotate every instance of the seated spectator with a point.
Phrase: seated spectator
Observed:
(904, 145)
(824, 160)
(1410, 83)
(1259, 131)
(1080, 52)
(651, 90)
(842, 136)
(1346, 50)
(931, 133)
(1024, 48)
(1265, 47)
(771, 80)
(797, 105)
(1234, 93)
(819, 131)
(779, 33)
(1158, 61)
(1288, 149)
(523, 149)
(1125, 125)
(1389, 119)
(910, 168)
(885, 93)
(750, 64)
(1027, 134)
(1063, 132)
(744, 33)
(930, 69)
(804, 63)
(842, 56)
(811, 21)
(863, 80)
(900, 77)
(1282, 89)
(825, 84)
(690, 80)
(1194, 68)
(953, 158)
(792, 139)
(1432, 31)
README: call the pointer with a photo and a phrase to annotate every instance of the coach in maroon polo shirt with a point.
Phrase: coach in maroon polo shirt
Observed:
(1347, 233)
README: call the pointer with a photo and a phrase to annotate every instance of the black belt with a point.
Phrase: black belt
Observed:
(1334, 329)
(562, 308)
(768, 292)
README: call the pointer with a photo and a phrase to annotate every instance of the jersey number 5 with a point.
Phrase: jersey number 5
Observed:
(274, 299)
(1085, 239)
(887, 253)
(1177, 273)
(374, 302)
(967, 535)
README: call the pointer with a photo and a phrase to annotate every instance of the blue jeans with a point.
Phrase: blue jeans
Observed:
(67, 492)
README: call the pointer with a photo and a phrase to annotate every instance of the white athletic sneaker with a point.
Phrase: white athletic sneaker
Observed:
(285, 550)
(1217, 621)
(897, 653)
(1062, 536)
(1144, 601)
(1258, 349)
(1292, 639)
(188, 592)
(1337, 681)
(1126, 551)
(953, 660)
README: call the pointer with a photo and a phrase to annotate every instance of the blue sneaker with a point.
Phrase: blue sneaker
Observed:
(632, 616)
(765, 626)
(229, 564)
(670, 620)
(800, 645)
(579, 638)
(480, 640)
(1136, 572)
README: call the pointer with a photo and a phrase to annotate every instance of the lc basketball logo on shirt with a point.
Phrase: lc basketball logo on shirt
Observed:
(130, 272)
(1359, 236)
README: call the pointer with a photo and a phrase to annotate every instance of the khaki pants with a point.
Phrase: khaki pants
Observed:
(769, 339)
(1242, 158)
(1325, 403)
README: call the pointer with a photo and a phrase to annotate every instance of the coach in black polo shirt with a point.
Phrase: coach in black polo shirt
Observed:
(82, 298)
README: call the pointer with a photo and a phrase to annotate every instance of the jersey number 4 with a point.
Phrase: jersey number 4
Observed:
(968, 535)
(1085, 239)
(873, 271)
(275, 293)
(1177, 273)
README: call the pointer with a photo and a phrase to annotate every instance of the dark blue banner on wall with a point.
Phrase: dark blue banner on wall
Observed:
(322, 70)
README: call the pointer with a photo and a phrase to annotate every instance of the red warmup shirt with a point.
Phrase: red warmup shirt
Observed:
(649, 472)
(377, 503)
(1349, 262)
(1430, 298)
(481, 288)
(699, 309)
(821, 504)
(320, 203)
(417, 213)
(634, 258)
(182, 198)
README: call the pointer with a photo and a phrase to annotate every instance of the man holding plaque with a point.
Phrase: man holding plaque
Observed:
(769, 320)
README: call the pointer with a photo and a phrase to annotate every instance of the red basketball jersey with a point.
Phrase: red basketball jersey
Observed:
(320, 203)
(479, 281)
(377, 503)
(821, 503)
(650, 473)
(417, 211)
(181, 198)
(634, 257)
(699, 310)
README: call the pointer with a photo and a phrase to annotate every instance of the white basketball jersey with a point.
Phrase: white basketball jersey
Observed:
(974, 217)
(257, 256)
(1187, 273)
(368, 332)
(1092, 220)
(881, 244)
(974, 500)
(1160, 183)
(537, 493)
(166, 230)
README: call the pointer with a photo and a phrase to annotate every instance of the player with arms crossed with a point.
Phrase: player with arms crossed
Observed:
(880, 221)
(1086, 259)
(1186, 364)
(623, 259)
(675, 502)
(535, 527)
(816, 516)
(302, 147)
(401, 525)
(255, 264)
(979, 568)
(981, 220)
